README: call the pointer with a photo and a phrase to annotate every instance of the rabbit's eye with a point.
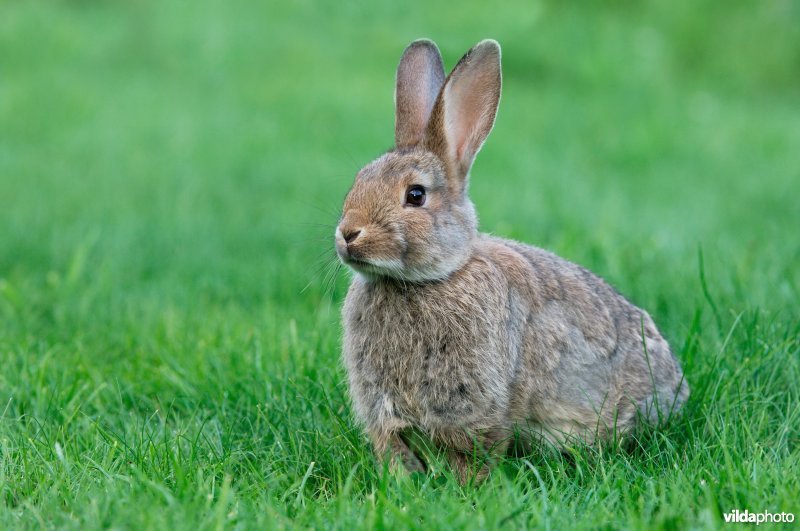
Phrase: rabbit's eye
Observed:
(415, 196)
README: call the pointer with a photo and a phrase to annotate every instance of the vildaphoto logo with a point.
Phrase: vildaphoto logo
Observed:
(746, 517)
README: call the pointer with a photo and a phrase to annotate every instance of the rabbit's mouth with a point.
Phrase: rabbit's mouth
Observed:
(356, 262)
(374, 267)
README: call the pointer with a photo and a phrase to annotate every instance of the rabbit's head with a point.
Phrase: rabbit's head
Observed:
(408, 215)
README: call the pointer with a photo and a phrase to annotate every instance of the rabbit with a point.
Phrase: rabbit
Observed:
(464, 337)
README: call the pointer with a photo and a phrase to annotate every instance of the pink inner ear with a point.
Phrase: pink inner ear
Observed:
(470, 102)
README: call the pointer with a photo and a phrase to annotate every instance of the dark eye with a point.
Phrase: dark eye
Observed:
(415, 196)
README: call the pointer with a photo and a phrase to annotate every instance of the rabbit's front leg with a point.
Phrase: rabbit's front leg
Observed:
(472, 455)
(390, 445)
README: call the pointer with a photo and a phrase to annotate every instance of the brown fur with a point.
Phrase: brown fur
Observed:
(468, 337)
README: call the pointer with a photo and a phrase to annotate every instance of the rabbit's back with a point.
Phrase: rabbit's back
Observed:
(594, 361)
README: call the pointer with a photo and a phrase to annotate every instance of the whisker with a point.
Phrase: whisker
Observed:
(321, 271)
(330, 281)
(331, 289)
(320, 262)
(317, 224)
(321, 266)
(328, 209)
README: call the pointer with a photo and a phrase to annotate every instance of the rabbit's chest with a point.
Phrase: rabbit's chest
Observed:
(423, 380)
(429, 365)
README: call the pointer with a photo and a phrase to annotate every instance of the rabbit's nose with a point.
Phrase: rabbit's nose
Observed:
(350, 234)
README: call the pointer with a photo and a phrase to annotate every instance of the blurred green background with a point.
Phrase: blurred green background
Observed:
(171, 173)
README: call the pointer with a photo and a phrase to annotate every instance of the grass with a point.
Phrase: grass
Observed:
(169, 179)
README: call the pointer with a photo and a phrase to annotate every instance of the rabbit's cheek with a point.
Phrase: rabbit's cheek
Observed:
(380, 247)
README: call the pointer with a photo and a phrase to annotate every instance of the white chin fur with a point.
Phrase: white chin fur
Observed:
(394, 269)
(378, 268)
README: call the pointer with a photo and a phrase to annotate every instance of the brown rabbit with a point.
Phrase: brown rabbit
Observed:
(463, 336)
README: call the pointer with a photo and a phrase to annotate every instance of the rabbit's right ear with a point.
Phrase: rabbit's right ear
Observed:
(420, 76)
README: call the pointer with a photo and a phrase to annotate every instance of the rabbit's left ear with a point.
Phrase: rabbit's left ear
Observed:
(420, 76)
(466, 108)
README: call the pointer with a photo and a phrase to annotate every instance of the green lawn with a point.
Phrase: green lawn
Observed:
(170, 176)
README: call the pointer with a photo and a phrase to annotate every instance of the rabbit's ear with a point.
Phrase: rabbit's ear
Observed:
(420, 76)
(466, 108)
